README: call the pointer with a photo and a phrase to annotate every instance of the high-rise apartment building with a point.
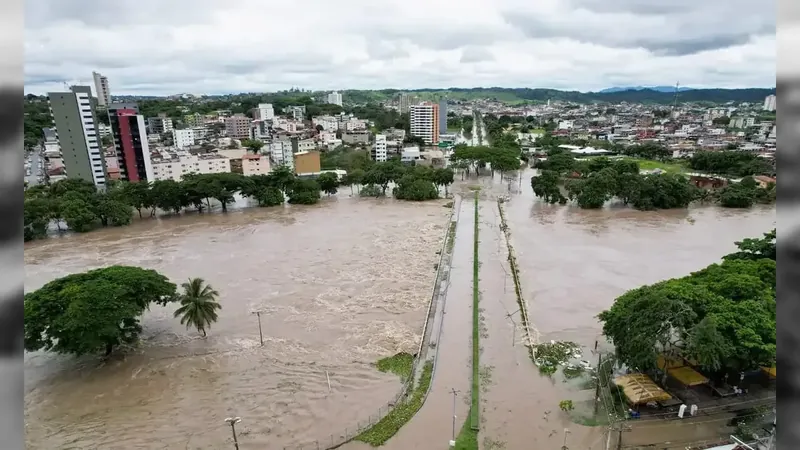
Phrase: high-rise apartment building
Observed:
(379, 153)
(101, 89)
(76, 129)
(442, 115)
(404, 103)
(335, 98)
(424, 119)
(130, 141)
(264, 111)
(771, 103)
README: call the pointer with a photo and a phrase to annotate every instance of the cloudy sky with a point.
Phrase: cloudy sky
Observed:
(211, 46)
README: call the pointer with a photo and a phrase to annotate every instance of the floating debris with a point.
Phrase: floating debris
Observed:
(551, 355)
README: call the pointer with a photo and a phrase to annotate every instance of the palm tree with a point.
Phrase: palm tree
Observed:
(198, 305)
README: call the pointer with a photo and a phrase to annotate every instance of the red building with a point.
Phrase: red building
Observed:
(130, 142)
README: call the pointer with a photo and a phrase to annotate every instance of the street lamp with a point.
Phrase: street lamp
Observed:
(260, 334)
(453, 440)
(233, 421)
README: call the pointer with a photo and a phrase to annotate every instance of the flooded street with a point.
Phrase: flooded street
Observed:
(519, 406)
(573, 263)
(340, 284)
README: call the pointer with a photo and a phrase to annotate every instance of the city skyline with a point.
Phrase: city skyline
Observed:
(153, 48)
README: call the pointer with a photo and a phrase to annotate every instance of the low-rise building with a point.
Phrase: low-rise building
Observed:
(159, 125)
(183, 138)
(328, 123)
(306, 163)
(237, 126)
(255, 165)
(356, 137)
(410, 154)
(174, 166)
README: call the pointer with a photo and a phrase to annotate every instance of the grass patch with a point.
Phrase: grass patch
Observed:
(401, 364)
(387, 427)
(467, 438)
(669, 167)
(551, 355)
(474, 188)
(451, 237)
(474, 412)
(572, 371)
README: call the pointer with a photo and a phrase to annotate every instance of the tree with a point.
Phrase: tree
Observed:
(595, 190)
(443, 177)
(756, 248)
(198, 305)
(111, 211)
(737, 196)
(169, 195)
(328, 182)
(729, 163)
(304, 192)
(416, 189)
(78, 214)
(269, 196)
(93, 311)
(370, 190)
(36, 218)
(253, 145)
(545, 185)
(137, 195)
(723, 317)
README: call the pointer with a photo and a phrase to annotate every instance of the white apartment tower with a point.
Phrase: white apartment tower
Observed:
(101, 89)
(335, 98)
(379, 148)
(424, 120)
(771, 103)
(265, 111)
(404, 103)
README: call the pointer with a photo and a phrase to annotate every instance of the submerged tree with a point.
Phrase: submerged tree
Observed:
(198, 305)
(723, 317)
(93, 311)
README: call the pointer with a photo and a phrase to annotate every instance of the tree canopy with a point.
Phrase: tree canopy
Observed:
(93, 311)
(723, 317)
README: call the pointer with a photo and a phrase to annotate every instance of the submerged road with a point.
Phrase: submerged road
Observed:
(519, 407)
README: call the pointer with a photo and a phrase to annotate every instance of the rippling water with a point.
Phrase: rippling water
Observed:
(341, 284)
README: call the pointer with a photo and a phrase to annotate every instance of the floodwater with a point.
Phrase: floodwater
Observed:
(340, 284)
(432, 426)
(519, 406)
(573, 263)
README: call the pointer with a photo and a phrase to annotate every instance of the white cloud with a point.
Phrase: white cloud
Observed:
(206, 46)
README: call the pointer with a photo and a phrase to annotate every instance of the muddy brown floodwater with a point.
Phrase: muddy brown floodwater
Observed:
(341, 284)
(573, 263)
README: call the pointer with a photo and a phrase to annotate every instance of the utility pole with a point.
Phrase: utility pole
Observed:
(233, 421)
(597, 382)
(260, 334)
(566, 432)
(455, 394)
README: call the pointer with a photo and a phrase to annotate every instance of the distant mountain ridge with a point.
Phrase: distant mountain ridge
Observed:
(529, 95)
(642, 88)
